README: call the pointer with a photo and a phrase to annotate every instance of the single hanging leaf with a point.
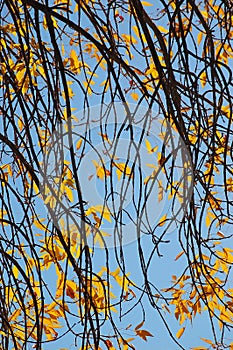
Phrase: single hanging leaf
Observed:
(207, 341)
(179, 255)
(139, 326)
(79, 144)
(134, 96)
(199, 37)
(162, 220)
(180, 332)
(142, 333)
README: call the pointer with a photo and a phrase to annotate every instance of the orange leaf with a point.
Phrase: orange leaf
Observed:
(179, 255)
(134, 96)
(180, 332)
(207, 341)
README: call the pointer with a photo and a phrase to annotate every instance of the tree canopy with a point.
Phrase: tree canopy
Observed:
(116, 132)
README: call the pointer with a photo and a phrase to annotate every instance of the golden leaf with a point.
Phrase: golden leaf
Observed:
(79, 144)
(38, 224)
(203, 79)
(69, 193)
(180, 332)
(162, 220)
(199, 37)
(162, 29)
(122, 168)
(207, 220)
(145, 3)
(149, 148)
(20, 124)
(101, 172)
(134, 96)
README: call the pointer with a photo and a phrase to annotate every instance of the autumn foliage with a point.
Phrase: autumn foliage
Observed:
(60, 280)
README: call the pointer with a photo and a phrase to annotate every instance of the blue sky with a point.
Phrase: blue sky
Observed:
(161, 268)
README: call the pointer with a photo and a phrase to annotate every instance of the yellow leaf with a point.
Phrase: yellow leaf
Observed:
(74, 57)
(101, 172)
(149, 148)
(88, 87)
(63, 49)
(129, 39)
(199, 37)
(15, 272)
(15, 315)
(42, 72)
(74, 62)
(139, 35)
(105, 83)
(69, 193)
(192, 294)
(203, 79)
(39, 225)
(20, 75)
(207, 220)
(180, 332)
(2, 213)
(100, 209)
(78, 144)
(3, 42)
(145, 3)
(162, 220)
(162, 29)
(160, 194)
(45, 25)
(99, 237)
(122, 168)
(105, 137)
(20, 124)
(134, 96)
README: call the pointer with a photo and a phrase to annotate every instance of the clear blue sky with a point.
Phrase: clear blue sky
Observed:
(160, 272)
